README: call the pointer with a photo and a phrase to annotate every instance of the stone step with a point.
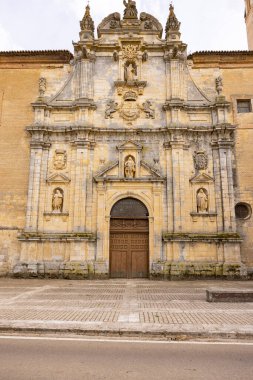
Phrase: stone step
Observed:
(229, 295)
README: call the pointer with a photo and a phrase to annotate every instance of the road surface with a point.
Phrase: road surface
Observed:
(44, 358)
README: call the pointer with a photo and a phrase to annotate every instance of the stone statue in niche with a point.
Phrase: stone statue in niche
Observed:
(57, 200)
(202, 201)
(200, 160)
(130, 167)
(145, 56)
(112, 107)
(219, 85)
(115, 56)
(131, 10)
(60, 159)
(130, 72)
(150, 113)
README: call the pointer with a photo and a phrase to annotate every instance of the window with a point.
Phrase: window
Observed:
(243, 211)
(244, 106)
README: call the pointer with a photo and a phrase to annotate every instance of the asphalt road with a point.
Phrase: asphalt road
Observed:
(24, 358)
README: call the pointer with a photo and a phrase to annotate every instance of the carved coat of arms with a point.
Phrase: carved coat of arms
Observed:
(200, 160)
(130, 110)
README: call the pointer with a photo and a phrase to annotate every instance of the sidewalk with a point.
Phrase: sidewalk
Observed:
(170, 310)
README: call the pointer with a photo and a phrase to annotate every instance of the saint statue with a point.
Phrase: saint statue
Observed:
(130, 168)
(130, 73)
(57, 202)
(202, 201)
(130, 11)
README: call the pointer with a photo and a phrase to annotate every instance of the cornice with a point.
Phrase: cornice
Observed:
(36, 56)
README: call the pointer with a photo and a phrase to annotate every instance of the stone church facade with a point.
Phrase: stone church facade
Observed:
(128, 159)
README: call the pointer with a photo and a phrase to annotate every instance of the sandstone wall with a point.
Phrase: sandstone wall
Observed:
(19, 76)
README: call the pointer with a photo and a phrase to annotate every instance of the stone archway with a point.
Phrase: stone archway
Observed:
(129, 239)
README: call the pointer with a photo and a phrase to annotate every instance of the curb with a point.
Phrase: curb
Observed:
(159, 335)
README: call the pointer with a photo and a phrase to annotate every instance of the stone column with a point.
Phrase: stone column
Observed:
(177, 152)
(217, 186)
(44, 187)
(175, 79)
(80, 186)
(101, 225)
(89, 191)
(227, 189)
(158, 225)
(169, 187)
(85, 85)
(32, 213)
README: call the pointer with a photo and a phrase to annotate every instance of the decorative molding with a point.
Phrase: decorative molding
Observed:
(63, 215)
(196, 216)
(123, 86)
(188, 237)
(64, 237)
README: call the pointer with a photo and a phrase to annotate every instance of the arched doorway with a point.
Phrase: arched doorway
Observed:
(129, 239)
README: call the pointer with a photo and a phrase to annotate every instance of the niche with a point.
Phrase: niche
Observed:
(202, 201)
(57, 200)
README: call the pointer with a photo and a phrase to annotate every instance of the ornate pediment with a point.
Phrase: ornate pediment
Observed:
(130, 145)
(112, 173)
(58, 178)
(201, 178)
(107, 171)
(145, 24)
(151, 170)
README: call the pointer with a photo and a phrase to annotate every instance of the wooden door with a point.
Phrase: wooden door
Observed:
(129, 248)
(129, 239)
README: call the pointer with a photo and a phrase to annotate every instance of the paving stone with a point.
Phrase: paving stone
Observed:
(115, 305)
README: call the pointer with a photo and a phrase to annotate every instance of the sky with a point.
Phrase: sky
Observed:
(54, 24)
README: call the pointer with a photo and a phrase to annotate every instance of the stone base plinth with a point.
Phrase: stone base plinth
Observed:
(162, 270)
(73, 270)
(195, 270)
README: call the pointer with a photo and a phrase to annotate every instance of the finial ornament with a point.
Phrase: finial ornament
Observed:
(131, 11)
(87, 24)
(173, 25)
